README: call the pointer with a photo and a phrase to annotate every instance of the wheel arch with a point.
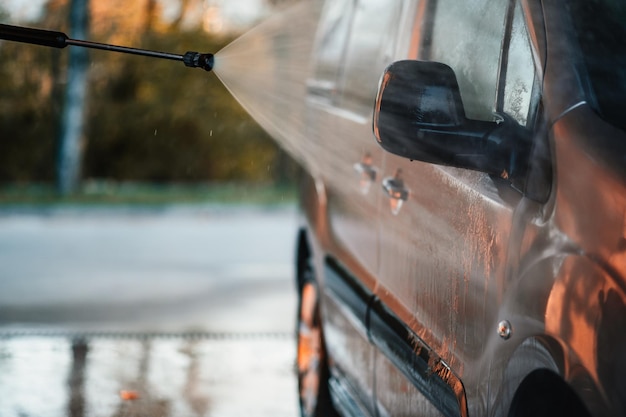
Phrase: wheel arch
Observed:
(544, 342)
(544, 393)
(540, 372)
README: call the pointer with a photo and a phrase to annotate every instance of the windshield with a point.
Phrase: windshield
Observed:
(601, 28)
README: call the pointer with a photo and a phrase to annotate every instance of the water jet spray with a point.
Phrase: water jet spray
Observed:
(60, 40)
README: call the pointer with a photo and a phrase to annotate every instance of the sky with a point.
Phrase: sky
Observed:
(23, 10)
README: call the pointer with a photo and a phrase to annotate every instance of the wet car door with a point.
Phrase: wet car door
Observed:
(348, 59)
(444, 231)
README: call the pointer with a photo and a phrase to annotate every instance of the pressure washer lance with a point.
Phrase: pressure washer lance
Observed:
(61, 40)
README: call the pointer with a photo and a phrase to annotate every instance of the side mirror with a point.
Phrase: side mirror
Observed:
(419, 115)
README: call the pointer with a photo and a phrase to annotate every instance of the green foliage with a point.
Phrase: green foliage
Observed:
(148, 120)
(17, 197)
(28, 114)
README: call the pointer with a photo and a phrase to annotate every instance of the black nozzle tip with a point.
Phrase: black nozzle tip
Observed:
(198, 60)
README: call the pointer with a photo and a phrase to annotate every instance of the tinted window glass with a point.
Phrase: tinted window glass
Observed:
(370, 48)
(601, 30)
(467, 36)
(520, 71)
(331, 44)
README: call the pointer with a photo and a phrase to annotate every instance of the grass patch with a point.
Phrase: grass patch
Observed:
(127, 193)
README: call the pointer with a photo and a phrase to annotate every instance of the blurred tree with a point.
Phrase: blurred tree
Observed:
(29, 108)
(145, 119)
(150, 15)
(280, 3)
(72, 120)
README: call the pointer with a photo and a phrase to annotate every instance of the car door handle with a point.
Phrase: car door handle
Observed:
(367, 173)
(394, 188)
(366, 170)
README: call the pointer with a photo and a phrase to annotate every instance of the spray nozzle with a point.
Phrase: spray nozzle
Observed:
(61, 40)
(198, 60)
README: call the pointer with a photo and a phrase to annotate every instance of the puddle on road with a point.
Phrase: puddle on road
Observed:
(55, 376)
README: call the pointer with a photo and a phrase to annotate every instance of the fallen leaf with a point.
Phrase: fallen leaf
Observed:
(129, 395)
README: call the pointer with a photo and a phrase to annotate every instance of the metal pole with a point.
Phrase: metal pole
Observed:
(61, 40)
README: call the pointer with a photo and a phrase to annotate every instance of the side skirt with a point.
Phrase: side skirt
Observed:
(344, 400)
(422, 367)
(417, 361)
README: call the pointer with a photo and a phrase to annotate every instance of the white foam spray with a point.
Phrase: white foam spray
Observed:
(267, 69)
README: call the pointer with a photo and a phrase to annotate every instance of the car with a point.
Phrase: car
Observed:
(463, 240)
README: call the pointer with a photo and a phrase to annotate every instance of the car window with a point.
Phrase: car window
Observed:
(520, 71)
(474, 29)
(370, 47)
(601, 31)
(330, 46)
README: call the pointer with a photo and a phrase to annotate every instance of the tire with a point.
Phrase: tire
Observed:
(313, 372)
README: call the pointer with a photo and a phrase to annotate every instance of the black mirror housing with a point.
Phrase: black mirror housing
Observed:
(419, 115)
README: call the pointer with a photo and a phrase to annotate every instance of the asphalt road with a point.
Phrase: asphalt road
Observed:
(187, 311)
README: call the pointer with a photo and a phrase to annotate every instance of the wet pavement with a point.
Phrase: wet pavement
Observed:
(172, 376)
(183, 312)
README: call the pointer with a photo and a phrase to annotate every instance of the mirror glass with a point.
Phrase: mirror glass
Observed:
(436, 107)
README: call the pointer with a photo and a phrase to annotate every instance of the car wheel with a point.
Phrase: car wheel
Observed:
(313, 370)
